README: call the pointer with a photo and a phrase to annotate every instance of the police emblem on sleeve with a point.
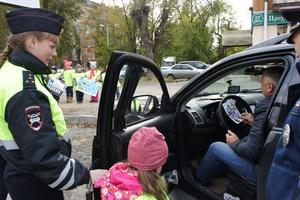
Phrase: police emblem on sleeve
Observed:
(286, 135)
(34, 117)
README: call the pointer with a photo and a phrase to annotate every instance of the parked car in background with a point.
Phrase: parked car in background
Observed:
(195, 63)
(180, 71)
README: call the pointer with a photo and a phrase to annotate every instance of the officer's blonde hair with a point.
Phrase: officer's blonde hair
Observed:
(153, 184)
(17, 41)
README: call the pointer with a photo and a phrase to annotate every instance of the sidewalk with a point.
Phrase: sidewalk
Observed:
(79, 113)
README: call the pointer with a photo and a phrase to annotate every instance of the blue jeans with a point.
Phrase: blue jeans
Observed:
(218, 157)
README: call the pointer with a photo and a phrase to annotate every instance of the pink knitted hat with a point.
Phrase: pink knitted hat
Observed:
(67, 64)
(147, 149)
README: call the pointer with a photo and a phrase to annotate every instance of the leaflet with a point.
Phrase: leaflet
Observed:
(232, 111)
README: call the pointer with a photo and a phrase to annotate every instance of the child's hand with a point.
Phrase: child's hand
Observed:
(97, 174)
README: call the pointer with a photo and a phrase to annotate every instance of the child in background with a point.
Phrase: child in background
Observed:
(94, 74)
(68, 77)
(78, 75)
(54, 75)
(139, 177)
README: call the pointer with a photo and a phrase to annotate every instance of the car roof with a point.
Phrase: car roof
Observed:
(280, 39)
(257, 50)
(183, 64)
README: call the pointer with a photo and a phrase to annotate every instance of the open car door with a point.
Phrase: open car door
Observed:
(119, 114)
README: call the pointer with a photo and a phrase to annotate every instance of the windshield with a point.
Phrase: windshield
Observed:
(238, 78)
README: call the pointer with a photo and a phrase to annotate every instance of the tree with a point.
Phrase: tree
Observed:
(152, 29)
(196, 32)
(3, 26)
(69, 38)
(109, 31)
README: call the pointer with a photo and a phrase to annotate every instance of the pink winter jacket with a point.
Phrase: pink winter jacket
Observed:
(120, 183)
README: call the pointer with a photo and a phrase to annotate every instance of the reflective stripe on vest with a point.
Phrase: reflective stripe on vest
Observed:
(11, 83)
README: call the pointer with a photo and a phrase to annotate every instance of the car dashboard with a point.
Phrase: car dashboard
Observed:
(203, 124)
(202, 111)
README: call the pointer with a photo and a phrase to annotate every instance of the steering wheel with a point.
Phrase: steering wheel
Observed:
(229, 111)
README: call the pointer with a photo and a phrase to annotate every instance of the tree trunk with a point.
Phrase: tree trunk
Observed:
(140, 16)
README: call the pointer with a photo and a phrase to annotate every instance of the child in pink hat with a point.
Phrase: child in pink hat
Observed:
(139, 177)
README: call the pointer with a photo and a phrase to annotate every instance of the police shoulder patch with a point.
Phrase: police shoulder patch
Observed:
(34, 117)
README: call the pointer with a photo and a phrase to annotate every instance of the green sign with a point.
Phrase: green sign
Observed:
(273, 18)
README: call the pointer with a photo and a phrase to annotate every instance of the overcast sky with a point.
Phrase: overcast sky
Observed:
(240, 7)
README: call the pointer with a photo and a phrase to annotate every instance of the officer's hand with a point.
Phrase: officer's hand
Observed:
(231, 137)
(248, 118)
(97, 174)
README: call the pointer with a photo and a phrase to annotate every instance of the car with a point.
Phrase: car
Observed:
(193, 117)
(180, 71)
(195, 63)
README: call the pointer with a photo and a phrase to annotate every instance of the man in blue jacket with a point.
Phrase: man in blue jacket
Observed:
(241, 154)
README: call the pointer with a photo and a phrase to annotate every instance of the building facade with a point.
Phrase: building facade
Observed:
(276, 24)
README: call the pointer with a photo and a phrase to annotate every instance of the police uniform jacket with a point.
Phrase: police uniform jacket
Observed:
(33, 133)
(284, 176)
(249, 147)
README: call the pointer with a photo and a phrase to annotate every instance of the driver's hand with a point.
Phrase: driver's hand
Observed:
(248, 118)
(231, 137)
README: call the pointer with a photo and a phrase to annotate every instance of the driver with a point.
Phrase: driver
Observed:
(237, 154)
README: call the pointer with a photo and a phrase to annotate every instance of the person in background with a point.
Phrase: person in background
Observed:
(77, 76)
(68, 78)
(94, 74)
(138, 178)
(54, 75)
(241, 155)
(33, 132)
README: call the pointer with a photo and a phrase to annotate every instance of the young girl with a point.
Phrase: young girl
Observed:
(68, 77)
(139, 177)
(94, 74)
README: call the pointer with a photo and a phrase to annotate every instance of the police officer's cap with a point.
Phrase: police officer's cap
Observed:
(292, 14)
(34, 19)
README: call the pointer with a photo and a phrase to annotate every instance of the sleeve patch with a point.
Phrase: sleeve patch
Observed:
(34, 117)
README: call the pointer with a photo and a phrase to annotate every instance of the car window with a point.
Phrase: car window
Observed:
(186, 67)
(143, 105)
(177, 67)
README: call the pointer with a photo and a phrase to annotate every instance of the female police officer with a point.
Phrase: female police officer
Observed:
(33, 137)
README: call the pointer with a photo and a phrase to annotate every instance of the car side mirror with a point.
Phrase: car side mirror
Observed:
(143, 105)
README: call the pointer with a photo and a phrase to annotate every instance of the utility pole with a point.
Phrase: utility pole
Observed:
(107, 33)
(265, 19)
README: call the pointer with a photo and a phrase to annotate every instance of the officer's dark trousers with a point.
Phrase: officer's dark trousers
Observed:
(3, 191)
(23, 186)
